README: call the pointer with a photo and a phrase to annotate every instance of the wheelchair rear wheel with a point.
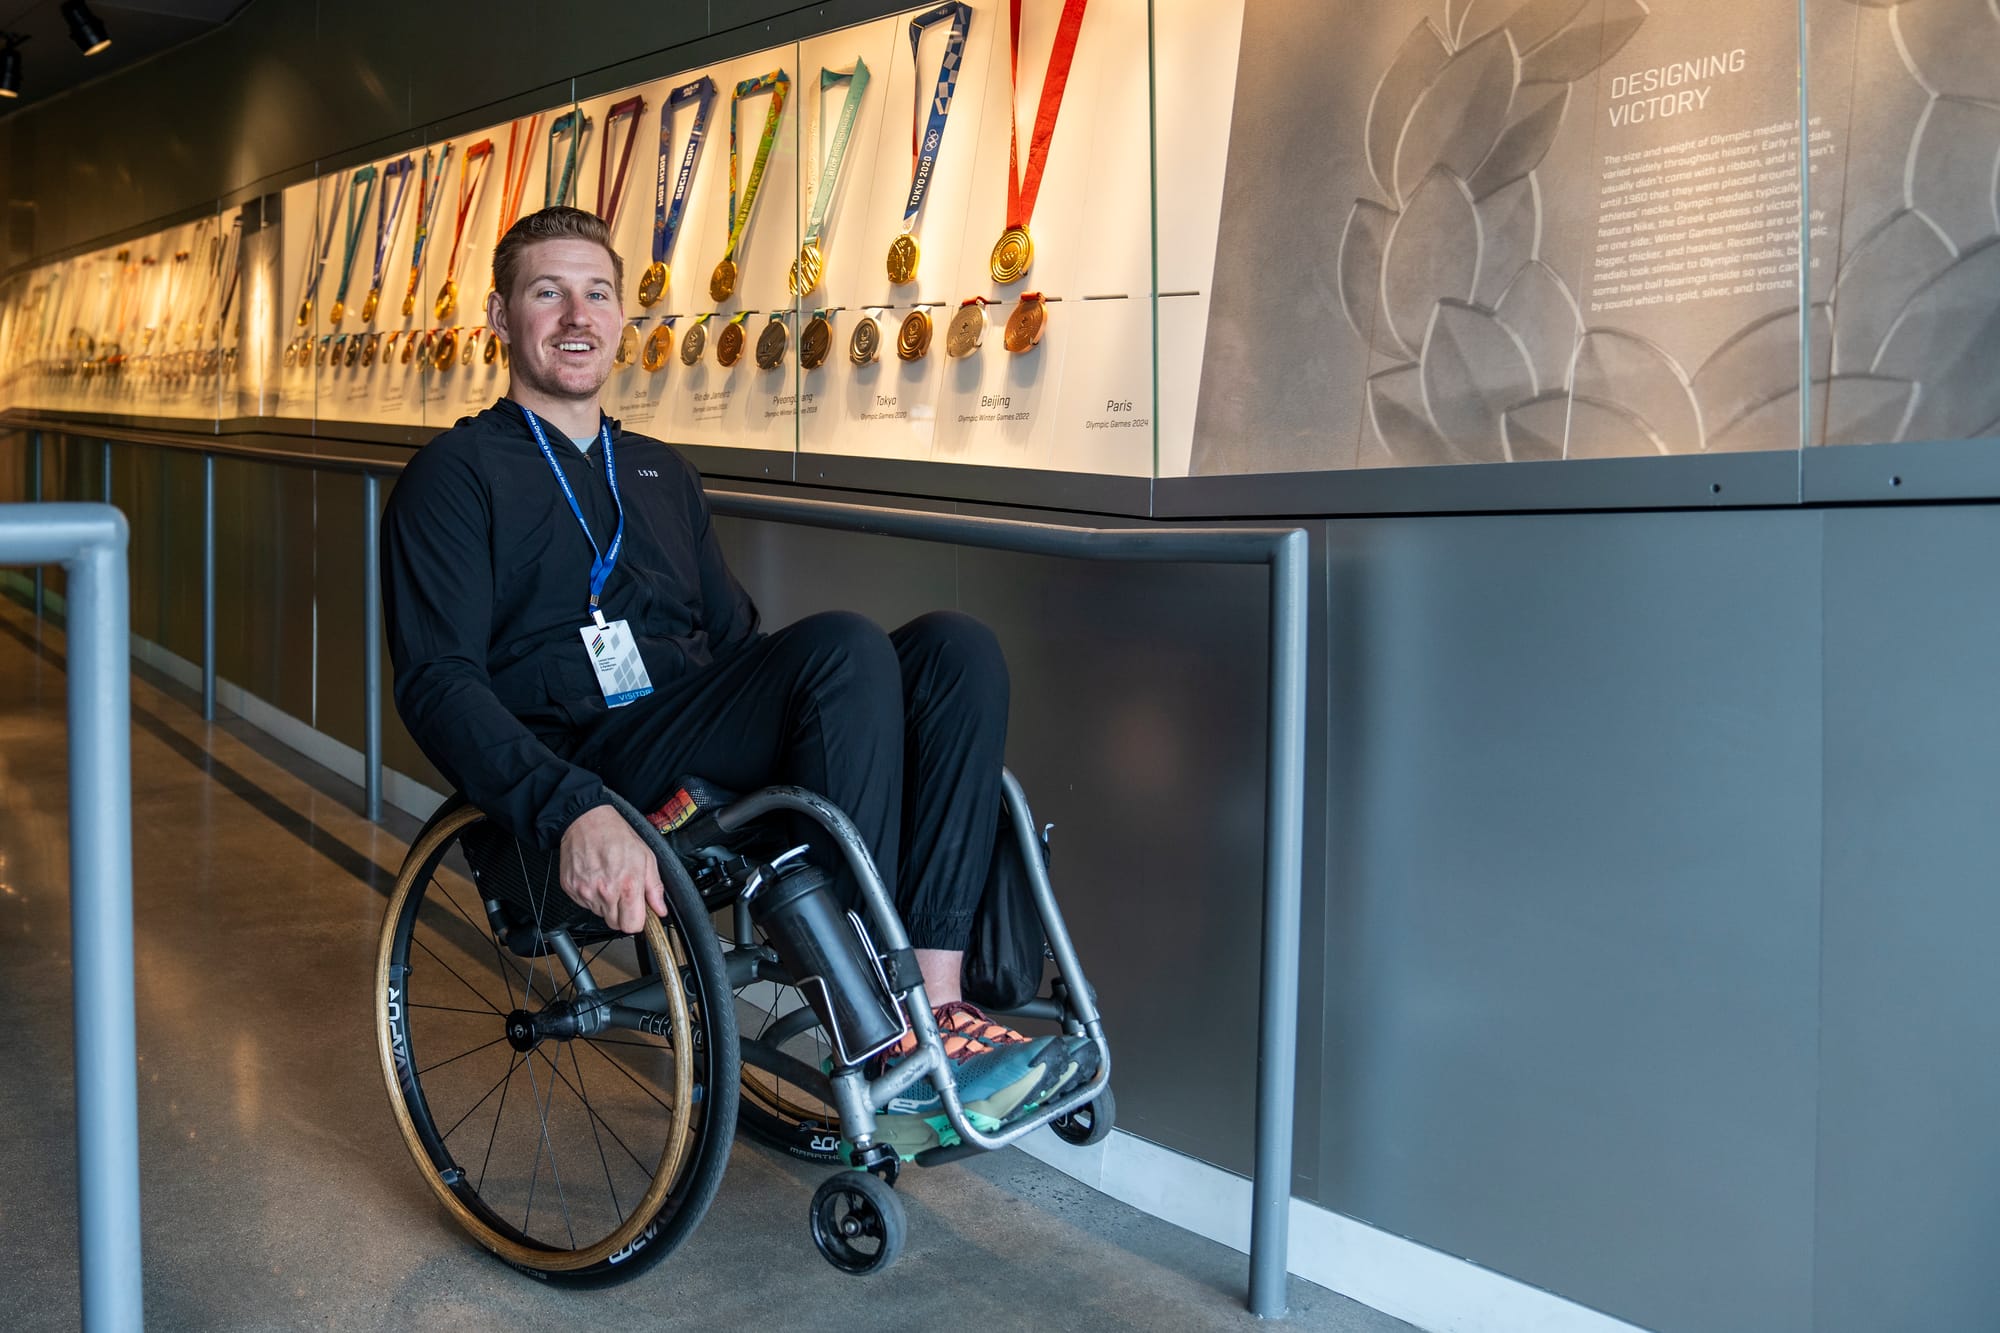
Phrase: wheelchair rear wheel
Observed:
(570, 1112)
(786, 1101)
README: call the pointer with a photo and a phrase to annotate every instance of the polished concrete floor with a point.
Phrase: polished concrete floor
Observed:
(277, 1194)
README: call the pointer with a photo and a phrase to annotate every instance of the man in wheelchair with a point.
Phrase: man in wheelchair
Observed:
(563, 625)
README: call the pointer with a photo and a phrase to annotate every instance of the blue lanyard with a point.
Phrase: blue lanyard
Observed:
(602, 562)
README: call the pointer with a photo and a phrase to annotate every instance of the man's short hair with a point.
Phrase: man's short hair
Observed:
(550, 224)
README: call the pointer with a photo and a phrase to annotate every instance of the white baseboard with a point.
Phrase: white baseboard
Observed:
(1433, 1290)
(1401, 1277)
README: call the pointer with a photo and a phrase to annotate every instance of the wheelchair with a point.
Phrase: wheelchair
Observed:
(570, 1093)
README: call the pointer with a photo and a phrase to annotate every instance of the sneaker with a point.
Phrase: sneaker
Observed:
(1079, 1066)
(998, 1071)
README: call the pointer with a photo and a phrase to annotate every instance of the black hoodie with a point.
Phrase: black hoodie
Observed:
(486, 580)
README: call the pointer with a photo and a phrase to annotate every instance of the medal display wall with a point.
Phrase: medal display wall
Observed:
(911, 339)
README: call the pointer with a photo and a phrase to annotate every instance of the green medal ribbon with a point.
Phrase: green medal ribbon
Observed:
(823, 189)
(777, 83)
(358, 202)
(578, 126)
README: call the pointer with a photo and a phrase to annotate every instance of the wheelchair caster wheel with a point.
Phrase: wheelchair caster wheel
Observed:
(858, 1224)
(1087, 1124)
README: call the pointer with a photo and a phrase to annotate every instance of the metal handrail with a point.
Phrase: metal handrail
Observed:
(1283, 550)
(90, 541)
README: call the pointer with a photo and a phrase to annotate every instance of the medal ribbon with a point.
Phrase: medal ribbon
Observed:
(666, 217)
(387, 216)
(634, 107)
(778, 83)
(1021, 192)
(482, 153)
(822, 190)
(924, 151)
(234, 270)
(515, 182)
(577, 125)
(430, 194)
(326, 245)
(358, 201)
(602, 562)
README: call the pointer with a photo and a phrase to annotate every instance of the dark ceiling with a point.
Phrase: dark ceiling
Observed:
(52, 64)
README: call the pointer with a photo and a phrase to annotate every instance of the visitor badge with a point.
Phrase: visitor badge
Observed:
(620, 672)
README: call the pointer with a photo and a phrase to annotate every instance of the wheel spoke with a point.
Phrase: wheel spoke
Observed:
(592, 1043)
(455, 972)
(481, 1102)
(454, 1009)
(542, 1106)
(498, 1112)
(462, 1054)
(584, 1097)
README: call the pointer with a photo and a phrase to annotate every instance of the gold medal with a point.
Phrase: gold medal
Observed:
(865, 342)
(368, 306)
(423, 347)
(325, 346)
(729, 343)
(389, 347)
(816, 342)
(445, 353)
(305, 312)
(693, 343)
(410, 348)
(338, 313)
(654, 284)
(723, 282)
(806, 271)
(771, 344)
(447, 302)
(1025, 325)
(409, 302)
(967, 331)
(493, 348)
(291, 357)
(659, 345)
(628, 347)
(903, 256)
(913, 340)
(1012, 254)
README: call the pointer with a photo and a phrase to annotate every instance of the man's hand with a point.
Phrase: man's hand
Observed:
(606, 868)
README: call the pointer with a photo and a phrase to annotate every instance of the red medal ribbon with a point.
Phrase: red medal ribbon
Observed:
(1021, 192)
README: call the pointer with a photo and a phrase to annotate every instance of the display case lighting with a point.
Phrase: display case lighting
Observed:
(85, 28)
(10, 64)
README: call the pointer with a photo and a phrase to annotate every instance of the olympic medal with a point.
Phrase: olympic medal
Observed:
(305, 312)
(693, 343)
(659, 346)
(445, 353)
(903, 256)
(1025, 325)
(370, 350)
(1012, 254)
(369, 306)
(338, 313)
(816, 342)
(354, 349)
(447, 302)
(654, 284)
(771, 344)
(628, 347)
(410, 302)
(913, 340)
(967, 331)
(806, 271)
(729, 343)
(493, 348)
(865, 341)
(470, 348)
(423, 347)
(325, 346)
(291, 357)
(723, 281)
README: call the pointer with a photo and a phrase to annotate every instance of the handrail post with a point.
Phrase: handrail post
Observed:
(89, 541)
(104, 463)
(371, 650)
(35, 494)
(208, 587)
(1284, 869)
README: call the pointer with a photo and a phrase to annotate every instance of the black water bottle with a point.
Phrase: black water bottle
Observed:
(831, 960)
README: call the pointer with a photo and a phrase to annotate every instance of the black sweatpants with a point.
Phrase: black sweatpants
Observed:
(904, 731)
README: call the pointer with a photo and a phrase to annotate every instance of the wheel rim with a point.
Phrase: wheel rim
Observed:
(849, 1230)
(561, 1157)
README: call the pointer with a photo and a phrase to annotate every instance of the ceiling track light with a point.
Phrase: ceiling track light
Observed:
(85, 28)
(10, 63)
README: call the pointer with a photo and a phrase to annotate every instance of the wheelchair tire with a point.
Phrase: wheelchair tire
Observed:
(858, 1223)
(618, 1152)
(785, 1102)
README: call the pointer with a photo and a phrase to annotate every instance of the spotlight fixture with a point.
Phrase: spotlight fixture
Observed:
(10, 64)
(85, 29)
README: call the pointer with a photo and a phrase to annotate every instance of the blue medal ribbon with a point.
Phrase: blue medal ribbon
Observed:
(667, 217)
(602, 562)
(924, 151)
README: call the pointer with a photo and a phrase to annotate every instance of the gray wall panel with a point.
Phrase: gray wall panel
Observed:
(264, 582)
(1909, 1196)
(1572, 922)
(337, 591)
